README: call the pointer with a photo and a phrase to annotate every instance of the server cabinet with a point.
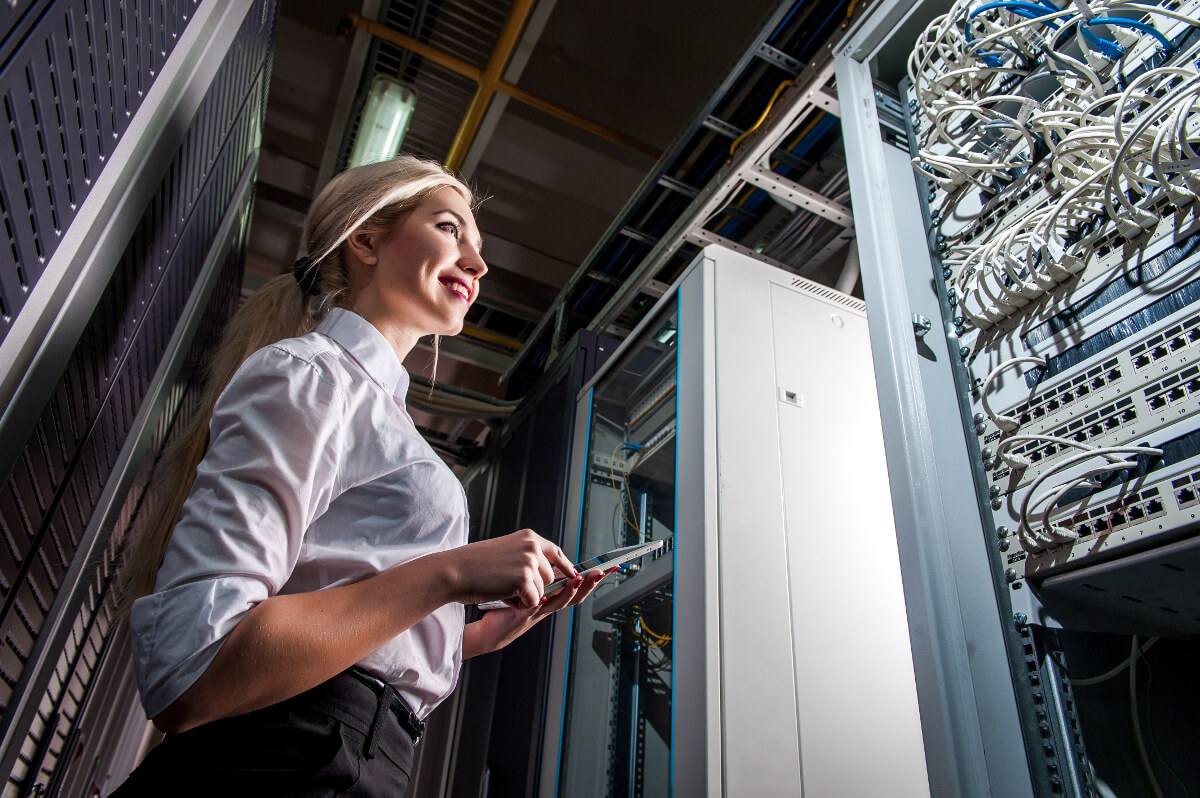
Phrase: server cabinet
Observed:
(126, 184)
(486, 738)
(1031, 325)
(765, 650)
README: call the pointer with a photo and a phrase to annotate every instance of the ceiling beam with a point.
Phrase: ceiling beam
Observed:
(518, 12)
(455, 64)
(512, 74)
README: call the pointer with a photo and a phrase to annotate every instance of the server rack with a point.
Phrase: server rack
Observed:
(486, 738)
(126, 179)
(739, 425)
(1018, 588)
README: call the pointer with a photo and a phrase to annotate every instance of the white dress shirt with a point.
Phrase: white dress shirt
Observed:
(315, 476)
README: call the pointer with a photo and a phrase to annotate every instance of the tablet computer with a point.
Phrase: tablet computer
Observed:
(600, 562)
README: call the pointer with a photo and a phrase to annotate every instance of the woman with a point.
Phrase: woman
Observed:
(308, 610)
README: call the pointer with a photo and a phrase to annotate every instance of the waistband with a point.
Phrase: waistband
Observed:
(389, 699)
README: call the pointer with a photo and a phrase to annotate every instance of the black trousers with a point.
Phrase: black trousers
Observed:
(339, 739)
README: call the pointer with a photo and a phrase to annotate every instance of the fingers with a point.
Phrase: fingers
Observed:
(563, 598)
(584, 586)
(556, 558)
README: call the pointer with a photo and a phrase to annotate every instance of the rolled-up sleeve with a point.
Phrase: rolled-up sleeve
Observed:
(276, 438)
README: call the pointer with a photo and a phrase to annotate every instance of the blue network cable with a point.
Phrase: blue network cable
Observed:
(1030, 10)
(1018, 7)
(1120, 22)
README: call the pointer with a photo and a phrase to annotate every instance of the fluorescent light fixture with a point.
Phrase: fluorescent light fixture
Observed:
(386, 114)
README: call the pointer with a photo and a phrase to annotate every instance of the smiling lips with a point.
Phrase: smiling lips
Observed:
(457, 287)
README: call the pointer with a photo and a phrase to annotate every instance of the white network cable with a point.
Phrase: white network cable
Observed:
(1037, 542)
(1004, 423)
(963, 68)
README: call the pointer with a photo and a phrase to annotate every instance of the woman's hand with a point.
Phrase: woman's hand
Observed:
(497, 628)
(514, 568)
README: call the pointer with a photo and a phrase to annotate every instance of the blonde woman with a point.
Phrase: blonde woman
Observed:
(299, 594)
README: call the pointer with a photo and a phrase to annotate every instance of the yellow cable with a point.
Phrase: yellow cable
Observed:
(662, 638)
(749, 192)
(778, 89)
(849, 14)
(620, 498)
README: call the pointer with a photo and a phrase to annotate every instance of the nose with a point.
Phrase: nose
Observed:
(472, 262)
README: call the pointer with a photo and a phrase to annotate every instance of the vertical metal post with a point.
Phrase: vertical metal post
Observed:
(973, 737)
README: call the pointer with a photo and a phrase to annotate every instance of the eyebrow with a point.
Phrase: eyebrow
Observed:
(462, 223)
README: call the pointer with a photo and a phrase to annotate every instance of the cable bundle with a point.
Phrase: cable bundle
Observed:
(1076, 93)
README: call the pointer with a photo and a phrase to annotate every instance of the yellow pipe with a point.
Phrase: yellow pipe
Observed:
(487, 336)
(475, 73)
(506, 42)
(422, 49)
(570, 117)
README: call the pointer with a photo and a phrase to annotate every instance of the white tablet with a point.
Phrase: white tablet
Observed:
(600, 562)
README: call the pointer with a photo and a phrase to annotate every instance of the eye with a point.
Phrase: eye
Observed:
(451, 228)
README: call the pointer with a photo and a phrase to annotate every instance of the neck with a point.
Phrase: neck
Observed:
(402, 341)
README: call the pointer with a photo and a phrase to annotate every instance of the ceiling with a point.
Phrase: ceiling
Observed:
(644, 68)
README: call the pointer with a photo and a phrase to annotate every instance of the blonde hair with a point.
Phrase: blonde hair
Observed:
(372, 197)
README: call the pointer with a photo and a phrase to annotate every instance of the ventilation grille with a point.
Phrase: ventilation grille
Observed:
(48, 500)
(66, 97)
(828, 294)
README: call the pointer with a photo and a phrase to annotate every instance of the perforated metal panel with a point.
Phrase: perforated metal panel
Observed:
(52, 744)
(107, 52)
(67, 95)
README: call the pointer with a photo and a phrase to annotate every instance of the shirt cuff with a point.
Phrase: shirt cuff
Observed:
(176, 633)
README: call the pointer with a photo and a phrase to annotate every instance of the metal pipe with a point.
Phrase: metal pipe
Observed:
(505, 43)
(849, 276)
(475, 73)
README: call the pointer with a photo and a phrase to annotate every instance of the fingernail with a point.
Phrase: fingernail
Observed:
(544, 599)
(578, 581)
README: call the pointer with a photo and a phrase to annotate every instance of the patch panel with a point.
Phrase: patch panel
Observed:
(1172, 391)
(644, 408)
(1146, 359)
(1143, 506)
(1109, 257)
(1109, 425)
(1187, 490)
(1178, 338)
(1121, 422)
(664, 436)
(1065, 395)
(1110, 397)
(1120, 525)
(1018, 200)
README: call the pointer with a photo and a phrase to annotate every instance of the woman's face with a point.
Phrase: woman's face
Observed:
(426, 269)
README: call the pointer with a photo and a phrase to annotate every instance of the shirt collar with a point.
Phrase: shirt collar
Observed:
(367, 345)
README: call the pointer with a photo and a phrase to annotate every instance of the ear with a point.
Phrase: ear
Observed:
(361, 244)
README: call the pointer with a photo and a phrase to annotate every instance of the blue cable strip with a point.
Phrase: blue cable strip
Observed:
(1031, 10)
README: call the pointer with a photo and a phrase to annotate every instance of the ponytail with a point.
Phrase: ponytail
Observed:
(277, 311)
